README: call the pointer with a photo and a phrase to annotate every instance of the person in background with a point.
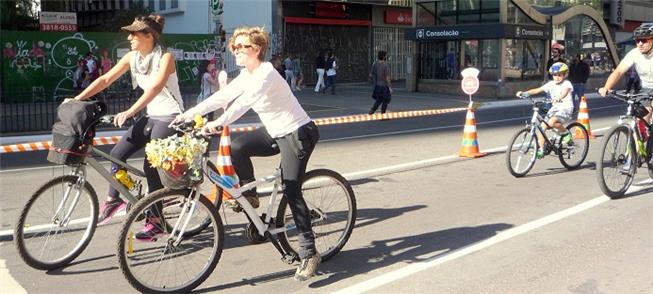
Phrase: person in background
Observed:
(579, 71)
(380, 75)
(331, 67)
(105, 63)
(297, 71)
(208, 82)
(320, 61)
(290, 72)
(556, 56)
(634, 83)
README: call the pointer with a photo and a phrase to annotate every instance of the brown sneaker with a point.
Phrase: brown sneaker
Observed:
(307, 267)
(235, 206)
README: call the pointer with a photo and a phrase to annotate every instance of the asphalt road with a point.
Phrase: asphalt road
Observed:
(428, 221)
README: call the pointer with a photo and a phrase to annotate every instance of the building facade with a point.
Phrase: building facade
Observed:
(508, 41)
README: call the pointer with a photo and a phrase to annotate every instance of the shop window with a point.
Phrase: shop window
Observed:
(490, 54)
(471, 53)
(523, 59)
(446, 12)
(439, 60)
(426, 14)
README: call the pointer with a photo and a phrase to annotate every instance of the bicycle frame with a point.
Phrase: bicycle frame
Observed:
(536, 125)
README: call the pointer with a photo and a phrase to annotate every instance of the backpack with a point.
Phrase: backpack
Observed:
(73, 130)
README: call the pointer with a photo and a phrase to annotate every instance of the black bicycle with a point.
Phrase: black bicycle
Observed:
(627, 146)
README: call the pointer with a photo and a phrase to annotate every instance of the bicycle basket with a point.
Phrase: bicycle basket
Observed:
(68, 149)
(178, 177)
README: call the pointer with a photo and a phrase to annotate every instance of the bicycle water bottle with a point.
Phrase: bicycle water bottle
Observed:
(125, 179)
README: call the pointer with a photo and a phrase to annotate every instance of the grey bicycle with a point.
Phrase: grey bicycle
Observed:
(187, 251)
(59, 219)
(523, 146)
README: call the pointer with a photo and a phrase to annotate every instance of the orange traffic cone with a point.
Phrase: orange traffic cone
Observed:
(227, 172)
(583, 119)
(469, 147)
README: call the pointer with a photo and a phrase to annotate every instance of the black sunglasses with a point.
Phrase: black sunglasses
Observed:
(643, 41)
(240, 46)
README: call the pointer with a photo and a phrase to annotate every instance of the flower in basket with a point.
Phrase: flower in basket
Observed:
(177, 155)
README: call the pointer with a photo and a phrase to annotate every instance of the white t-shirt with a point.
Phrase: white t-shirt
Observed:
(555, 91)
(332, 71)
(643, 65)
(266, 92)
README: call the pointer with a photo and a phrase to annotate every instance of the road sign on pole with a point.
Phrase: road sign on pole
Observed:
(470, 82)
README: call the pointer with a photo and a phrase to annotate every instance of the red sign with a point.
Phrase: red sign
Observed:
(399, 16)
(330, 10)
(58, 27)
(470, 85)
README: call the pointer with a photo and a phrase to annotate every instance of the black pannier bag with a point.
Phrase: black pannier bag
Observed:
(74, 130)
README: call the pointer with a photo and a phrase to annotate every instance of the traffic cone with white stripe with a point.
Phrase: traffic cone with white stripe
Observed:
(227, 172)
(583, 119)
(469, 146)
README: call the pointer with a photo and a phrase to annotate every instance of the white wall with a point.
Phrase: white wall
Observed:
(247, 13)
(192, 17)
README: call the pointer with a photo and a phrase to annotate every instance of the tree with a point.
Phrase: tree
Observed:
(19, 15)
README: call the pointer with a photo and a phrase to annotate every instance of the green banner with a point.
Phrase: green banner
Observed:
(39, 66)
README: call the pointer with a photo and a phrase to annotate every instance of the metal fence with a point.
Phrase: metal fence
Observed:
(38, 116)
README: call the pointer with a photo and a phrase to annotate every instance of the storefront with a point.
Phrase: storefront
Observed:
(509, 46)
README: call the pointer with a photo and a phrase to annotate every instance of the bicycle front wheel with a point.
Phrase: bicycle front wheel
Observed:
(522, 152)
(332, 209)
(573, 153)
(618, 162)
(166, 262)
(57, 223)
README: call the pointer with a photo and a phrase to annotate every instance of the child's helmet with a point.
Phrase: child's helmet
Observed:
(645, 30)
(558, 68)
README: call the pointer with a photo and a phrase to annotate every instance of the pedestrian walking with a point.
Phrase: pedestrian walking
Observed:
(105, 62)
(320, 62)
(380, 75)
(331, 67)
(579, 71)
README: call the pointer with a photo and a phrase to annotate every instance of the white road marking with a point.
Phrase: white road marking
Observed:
(9, 285)
(414, 268)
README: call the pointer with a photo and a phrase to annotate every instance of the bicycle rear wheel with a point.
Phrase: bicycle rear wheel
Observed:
(618, 162)
(332, 206)
(160, 265)
(573, 154)
(45, 238)
(522, 151)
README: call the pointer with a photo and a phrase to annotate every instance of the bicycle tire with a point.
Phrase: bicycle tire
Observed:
(580, 141)
(515, 148)
(28, 230)
(316, 188)
(173, 261)
(613, 164)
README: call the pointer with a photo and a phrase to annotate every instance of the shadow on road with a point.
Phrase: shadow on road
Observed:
(409, 249)
(64, 270)
(553, 171)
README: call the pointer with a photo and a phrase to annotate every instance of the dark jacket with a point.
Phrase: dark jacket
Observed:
(579, 72)
(319, 62)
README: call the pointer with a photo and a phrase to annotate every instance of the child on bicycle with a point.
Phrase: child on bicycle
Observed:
(154, 71)
(559, 89)
(287, 130)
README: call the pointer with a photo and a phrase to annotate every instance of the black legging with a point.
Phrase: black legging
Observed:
(136, 137)
(295, 149)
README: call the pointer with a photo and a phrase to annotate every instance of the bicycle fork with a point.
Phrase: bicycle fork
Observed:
(65, 220)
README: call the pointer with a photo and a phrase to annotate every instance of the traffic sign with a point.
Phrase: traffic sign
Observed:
(470, 82)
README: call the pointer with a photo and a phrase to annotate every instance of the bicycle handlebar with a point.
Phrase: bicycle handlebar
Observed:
(625, 96)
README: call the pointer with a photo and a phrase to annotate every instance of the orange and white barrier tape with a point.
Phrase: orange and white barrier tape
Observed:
(45, 145)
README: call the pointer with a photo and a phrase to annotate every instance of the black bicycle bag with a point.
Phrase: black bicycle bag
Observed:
(73, 131)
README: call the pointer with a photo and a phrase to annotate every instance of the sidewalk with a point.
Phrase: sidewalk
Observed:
(350, 99)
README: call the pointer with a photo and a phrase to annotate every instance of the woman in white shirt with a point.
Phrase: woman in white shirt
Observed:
(287, 130)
